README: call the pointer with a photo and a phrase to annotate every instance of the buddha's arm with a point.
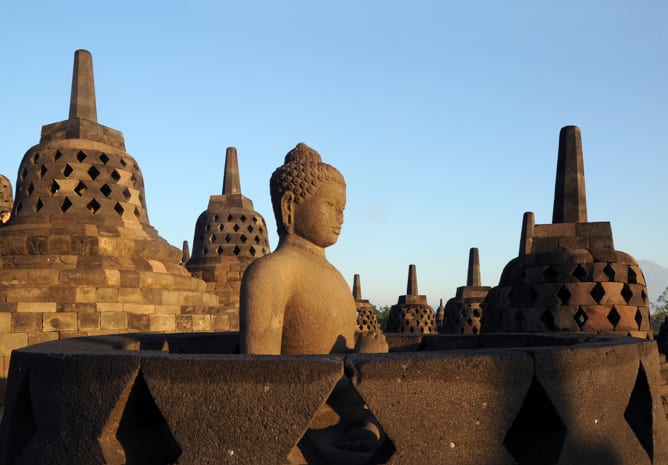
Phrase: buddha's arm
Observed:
(262, 307)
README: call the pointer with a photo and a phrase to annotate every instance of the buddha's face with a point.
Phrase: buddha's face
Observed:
(319, 217)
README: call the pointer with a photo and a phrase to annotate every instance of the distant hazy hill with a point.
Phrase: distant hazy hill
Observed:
(656, 277)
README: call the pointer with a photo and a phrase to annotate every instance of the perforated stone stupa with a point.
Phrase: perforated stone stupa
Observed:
(6, 197)
(366, 314)
(568, 275)
(78, 256)
(229, 235)
(412, 314)
(462, 313)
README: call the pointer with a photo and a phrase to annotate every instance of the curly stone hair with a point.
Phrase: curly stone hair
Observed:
(301, 173)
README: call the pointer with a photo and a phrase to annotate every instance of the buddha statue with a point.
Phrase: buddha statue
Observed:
(293, 301)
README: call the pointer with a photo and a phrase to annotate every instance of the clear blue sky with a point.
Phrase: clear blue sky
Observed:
(443, 116)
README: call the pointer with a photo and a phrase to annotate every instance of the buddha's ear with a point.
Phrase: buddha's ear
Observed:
(287, 212)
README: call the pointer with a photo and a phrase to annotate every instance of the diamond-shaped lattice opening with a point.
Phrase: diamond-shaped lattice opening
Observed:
(564, 295)
(230, 217)
(115, 176)
(537, 433)
(228, 238)
(249, 228)
(80, 188)
(31, 189)
(38, 205)
(123, 163)
(219, 250)
(643, 295)
(136, 212)
(613, 317)
(252, 251)
(104, 158)
(66, 205)
(221, 227)
(119, 209)
(35, 158)
(243, 239)
(549, 273)
(68, 171)
(57, 156)
(632, 277)
(93, 206)
(243, 218)
(580, 317)
(597, 292)
(93, 173)
(579, 273)
(55, 187)
(133, 180)
(213, 238)
(127, 194)
(609, 272)
(81, 156)
(627, 293)
(106, 190)
(476, 313)
(20, 419)
(24, 173)
(638, 412)
(260, 230)
(215, 218)
(548, 320)
(236, 250)
(235, 227)
(257, 240)
(638, 318)
(207, 228)
(143, 431)
(42, 171)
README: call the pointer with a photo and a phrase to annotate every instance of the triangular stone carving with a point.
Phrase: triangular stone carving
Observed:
(638, 412)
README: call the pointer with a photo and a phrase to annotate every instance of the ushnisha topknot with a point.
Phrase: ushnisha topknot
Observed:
(301, 174)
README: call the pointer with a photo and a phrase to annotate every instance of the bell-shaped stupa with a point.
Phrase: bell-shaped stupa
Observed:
(412, 314)
(78, 256)
(6, 199)
(229, 235)
(462, 313)
(367, 320)
(568, 276)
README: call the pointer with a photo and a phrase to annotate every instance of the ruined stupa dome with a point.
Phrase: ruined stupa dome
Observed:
(229, 235)
(78, 256)
(568, 275)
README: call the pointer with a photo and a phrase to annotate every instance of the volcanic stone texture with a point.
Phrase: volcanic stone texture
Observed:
(229, 236)
(486, 399)
(6, 195)
(367, 319)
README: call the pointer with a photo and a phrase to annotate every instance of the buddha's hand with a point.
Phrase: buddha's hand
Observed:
(371, 343)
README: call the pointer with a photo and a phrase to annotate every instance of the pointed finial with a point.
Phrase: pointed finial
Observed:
(473, 276)
(231, 184)
(357, 288)
(185, 253)
(412, 288)
(570, 199)
(526, 239)
(82, 99)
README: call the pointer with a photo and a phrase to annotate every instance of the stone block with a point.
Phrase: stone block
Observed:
(113, 278)
(26, 322)
(38, 307)
(201, 322)
(139, 322)
(220, 323)
(11, 341)
(28, 294)
(85, 294)
(130, 295)
(38, 338)
(162, 323)
(107, 294)
(184, 323)
(88, 321)
(5, 322)
(61, 322)
(169, 297)
(554, 230)
(114, 320)
(144, 309)
(63, 294)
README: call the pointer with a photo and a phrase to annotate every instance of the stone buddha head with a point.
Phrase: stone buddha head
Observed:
(308, 197)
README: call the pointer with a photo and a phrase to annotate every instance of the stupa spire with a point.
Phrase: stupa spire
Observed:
(412, 287)
(82, 99)
(357, 288)
(231, 183)
(570, 199)
(473, 276)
